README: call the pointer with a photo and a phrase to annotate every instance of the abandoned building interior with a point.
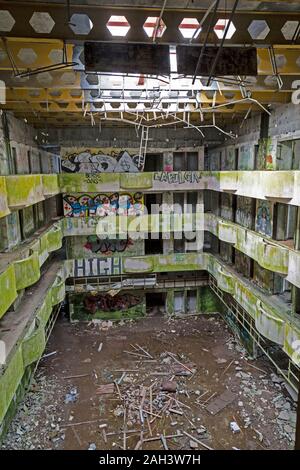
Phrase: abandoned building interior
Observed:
(149, 224)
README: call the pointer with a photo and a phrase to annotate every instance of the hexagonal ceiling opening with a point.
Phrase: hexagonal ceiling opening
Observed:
(56, 56)
(220, 28)
(118, 26)
(44, 78)
(81, 24)
(289, 29)
(42, 22)
(27, 55)
(151, 25)
(7, 21)
(258, 29)
(189, 28)
(280, 60)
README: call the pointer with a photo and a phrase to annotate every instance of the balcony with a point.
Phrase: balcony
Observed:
(291, 342)
(225, 280)
(54, 238)
(294, 268)
(7, 288)
(278, 184)
(27, 271)
(228, 181)
(227, 232)
(4, 210)
(269, 324)
(24, 190)
(34, 343)
(50, 185)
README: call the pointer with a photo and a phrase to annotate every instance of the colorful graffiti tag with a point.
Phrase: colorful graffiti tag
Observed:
(101, 205)
(264, 218)
(97, 267)
(178, 177)
(96, 161)
(106, 247)
(108, 303)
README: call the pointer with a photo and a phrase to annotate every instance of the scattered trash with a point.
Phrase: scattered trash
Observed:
(49, 354)
(72, 396)
(92, 446)
(169, 386)
(235, 427)
(220, 402)
(105, 389)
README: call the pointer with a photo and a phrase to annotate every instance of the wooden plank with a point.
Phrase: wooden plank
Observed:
(220, 402)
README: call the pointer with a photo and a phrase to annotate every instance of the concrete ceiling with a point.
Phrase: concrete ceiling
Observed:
(251, 5)
(33, 34)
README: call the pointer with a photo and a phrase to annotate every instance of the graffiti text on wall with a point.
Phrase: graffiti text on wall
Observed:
(97, 267)
(107, 303)
(106, 247)
(95, 161)
(177, 177)
(101, 205)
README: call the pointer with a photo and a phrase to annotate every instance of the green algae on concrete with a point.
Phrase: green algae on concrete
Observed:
(9, 381)
(58, 290)
(24, 190)
(33, 344)
(227, 232)
(50, 185)
(136, 180)
(7, 289)
(269, 324)
(4, 209)
(208, 301)
(278, 184)
(81, 182)
(54, 238)
(292, 342)
(46, 309)
(27, 271)
(78, 312)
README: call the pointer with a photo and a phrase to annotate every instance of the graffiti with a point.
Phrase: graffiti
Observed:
(244, 213)
(87, 205)
(177, 177)
(264, 218)
(168, 161)
(97, 267)
(106, 247)
(108, 303)
(93, 161)
(93, 179)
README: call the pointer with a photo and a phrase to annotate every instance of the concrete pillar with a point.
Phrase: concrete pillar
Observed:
(167, 161)
(201, 158)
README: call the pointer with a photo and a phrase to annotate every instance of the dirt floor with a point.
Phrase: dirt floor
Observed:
(214, 383)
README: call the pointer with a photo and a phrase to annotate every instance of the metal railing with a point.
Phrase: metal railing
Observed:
(244, 319)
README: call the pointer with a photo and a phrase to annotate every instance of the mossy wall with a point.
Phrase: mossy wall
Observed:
(24, 190)
(8, 289)
(4, 210)
(27, 271)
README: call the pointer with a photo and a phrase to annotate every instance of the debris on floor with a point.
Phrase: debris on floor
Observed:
(146, 392)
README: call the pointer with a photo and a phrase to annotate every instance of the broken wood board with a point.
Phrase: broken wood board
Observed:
(220, 402)
(105, 389)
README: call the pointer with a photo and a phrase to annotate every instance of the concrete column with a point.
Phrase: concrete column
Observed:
(167, 161)
(201, 158)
